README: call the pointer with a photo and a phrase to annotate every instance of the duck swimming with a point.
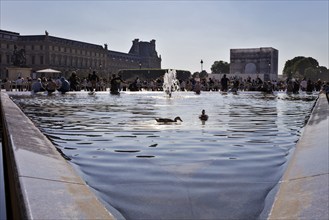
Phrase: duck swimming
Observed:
(168, 120)
(203, 116)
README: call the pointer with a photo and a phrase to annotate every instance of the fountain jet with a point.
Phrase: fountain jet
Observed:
(170, 83)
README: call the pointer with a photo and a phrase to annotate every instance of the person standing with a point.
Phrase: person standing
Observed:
(94, 79)
(19, 84)
(224, 83)
(74, 82)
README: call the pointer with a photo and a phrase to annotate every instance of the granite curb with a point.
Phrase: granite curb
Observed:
(304, 188)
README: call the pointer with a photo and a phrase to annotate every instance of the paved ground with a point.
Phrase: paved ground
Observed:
(303, 192)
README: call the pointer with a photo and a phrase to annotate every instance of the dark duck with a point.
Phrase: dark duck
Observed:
(203, 116)
(168, 120)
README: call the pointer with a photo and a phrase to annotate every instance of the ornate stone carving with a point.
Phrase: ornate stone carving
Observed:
(18, 58)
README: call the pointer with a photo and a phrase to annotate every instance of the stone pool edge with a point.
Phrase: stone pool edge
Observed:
(304, 188)
(42, 184)
(61, 194)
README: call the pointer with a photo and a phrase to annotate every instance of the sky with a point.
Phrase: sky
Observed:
(186, 32)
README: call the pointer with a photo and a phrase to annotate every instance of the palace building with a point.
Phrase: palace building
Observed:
(36, 52)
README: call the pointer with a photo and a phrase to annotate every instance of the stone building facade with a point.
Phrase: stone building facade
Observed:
(253, 62)
(65, 55)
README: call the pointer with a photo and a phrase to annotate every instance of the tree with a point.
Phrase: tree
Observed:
(220, 67)
(310, 73)
(297, 66)
(300, 67)
(203, 74)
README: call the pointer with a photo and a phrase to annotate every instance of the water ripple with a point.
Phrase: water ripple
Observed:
(223, 167)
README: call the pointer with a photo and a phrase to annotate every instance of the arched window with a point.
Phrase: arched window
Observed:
(250, 68)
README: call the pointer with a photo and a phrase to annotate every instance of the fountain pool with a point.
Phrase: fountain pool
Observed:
(222, 168)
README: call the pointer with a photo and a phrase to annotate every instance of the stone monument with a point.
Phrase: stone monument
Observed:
(19, 68)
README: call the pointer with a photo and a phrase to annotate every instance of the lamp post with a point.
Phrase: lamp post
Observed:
(201, 65)
(140, 65)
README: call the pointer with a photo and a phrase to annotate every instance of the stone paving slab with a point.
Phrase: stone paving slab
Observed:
(303, 191)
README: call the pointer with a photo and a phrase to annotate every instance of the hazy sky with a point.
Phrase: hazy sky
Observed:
(185, 31)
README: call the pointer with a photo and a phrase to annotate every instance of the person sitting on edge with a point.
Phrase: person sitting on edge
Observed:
(51, 86)
(37, 86)
(65, 86)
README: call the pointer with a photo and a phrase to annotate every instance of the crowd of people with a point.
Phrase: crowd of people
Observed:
(116, 84)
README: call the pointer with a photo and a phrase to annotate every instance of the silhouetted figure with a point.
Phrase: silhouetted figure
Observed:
(74, 82)
(224, 83)
(65, 86)
(116, 84)
(310, 86)
(93, 78)
(203, 116)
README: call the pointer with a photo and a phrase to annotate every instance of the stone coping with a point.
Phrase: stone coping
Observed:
(304, 188)
(43, 185)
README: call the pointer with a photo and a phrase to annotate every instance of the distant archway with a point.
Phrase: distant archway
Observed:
(250, 68)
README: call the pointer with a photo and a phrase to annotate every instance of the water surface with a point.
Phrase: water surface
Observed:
(221, 169)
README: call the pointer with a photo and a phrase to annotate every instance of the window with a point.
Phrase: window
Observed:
(33, 60)
(41, 60)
